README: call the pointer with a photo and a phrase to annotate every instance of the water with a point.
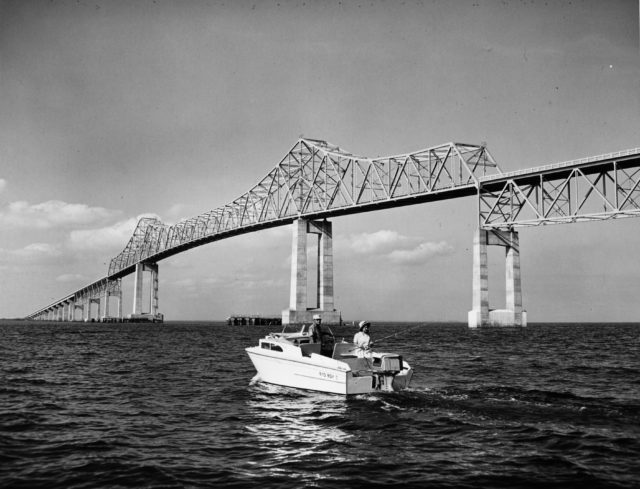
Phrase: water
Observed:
(173, 405)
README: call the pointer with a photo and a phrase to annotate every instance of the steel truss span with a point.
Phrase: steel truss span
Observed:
(592, 189)
(317, 179)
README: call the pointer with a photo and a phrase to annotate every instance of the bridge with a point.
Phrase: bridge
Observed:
(317, 180)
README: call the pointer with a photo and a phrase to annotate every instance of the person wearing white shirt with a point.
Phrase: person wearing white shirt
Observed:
(362, 339)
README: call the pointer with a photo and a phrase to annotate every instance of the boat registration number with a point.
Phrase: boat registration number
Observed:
(327, 375)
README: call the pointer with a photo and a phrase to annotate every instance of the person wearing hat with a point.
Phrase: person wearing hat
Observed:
(362, 340)
(315, 330)
(322, 335)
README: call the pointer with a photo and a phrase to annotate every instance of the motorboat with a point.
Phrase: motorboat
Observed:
(291, 359)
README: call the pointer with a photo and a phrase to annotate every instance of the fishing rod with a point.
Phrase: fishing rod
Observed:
(406, 330)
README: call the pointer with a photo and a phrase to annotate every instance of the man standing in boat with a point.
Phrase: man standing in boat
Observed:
(322, 335)
(362, 339)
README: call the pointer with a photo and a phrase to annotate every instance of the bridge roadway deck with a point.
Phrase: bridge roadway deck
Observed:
(594, 164)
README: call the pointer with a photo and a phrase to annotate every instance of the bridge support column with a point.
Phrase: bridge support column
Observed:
(137, 289)
(298, 311)
(513, 314)
(69, 316)
(78, 306)
(93, 300)
(120, 304)
(105, 310)
(153, 298)
(325, 264)
(112, 288)
(153, 314)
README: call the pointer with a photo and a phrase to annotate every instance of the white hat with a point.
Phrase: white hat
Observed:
(316, 316)
(362, 324)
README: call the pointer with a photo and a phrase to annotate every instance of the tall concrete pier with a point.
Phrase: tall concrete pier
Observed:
(138, 296)
(299, 310)
(112, 289)
(481, 314)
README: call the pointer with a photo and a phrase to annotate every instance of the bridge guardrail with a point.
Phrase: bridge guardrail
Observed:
(564, 164)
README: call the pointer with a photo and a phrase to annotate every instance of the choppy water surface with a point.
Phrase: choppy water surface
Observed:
(172, 405)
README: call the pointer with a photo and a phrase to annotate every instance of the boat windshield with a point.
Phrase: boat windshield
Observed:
(301, 336)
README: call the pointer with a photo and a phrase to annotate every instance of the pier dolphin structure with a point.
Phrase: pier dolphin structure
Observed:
(317, 180)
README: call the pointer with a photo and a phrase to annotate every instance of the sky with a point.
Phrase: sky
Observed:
(114, 110)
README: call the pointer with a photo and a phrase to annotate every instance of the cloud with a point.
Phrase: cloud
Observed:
(421, 253)
(30, 253)
(178, 212)
(396, 248)
(261, 284)
(242, 281)
(380, 242)
(109, 238)
(52, 213)
(72, 278)
(3, 184)
(185, 282)
(213, 281)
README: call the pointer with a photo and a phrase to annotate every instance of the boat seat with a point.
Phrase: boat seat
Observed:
(309, 348)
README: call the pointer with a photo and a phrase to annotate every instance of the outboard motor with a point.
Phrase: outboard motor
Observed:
(390, 366)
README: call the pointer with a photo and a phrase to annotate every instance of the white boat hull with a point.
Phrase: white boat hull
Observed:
(290, 367)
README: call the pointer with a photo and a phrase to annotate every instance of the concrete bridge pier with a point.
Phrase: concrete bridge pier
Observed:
(77, 306)
(513, 314)
(70, 310)
(138, 299)
(112, 289)
(93, 300)
(299, 310)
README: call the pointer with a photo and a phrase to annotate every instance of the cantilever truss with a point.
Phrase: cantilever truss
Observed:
(317, 179)
(591, 189)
